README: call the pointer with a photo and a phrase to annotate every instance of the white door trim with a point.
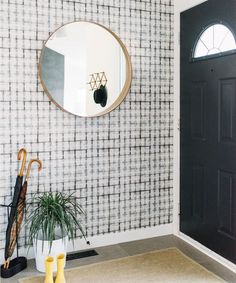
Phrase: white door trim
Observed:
(228, 264)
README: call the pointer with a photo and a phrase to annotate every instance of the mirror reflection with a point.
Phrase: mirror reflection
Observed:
(84, 68)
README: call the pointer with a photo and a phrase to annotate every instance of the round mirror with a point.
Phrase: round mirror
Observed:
(85, 69)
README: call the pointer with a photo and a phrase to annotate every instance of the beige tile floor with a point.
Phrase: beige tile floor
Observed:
(137, 247)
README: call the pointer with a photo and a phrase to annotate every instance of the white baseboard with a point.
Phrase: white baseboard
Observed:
(109, 239)
(228, 264)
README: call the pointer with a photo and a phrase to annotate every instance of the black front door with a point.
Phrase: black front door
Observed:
(208, 129)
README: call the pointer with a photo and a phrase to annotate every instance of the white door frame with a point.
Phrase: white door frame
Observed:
(180, 6)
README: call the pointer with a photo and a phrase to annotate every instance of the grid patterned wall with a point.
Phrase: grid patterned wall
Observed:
(120, 164)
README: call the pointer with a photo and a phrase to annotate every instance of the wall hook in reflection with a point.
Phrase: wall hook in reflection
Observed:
(97, 79)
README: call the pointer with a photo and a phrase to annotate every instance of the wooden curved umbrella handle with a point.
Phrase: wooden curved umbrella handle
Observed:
(22, 150)
(29, 167)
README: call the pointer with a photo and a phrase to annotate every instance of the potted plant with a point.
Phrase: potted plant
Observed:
(53, 219)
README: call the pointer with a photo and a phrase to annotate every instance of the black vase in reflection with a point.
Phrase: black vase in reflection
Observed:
(100, 95)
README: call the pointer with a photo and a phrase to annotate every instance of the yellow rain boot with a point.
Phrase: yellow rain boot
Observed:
(49, 267)
(60, 269)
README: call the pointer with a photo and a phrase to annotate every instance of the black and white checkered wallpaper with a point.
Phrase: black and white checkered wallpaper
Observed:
(120, 164)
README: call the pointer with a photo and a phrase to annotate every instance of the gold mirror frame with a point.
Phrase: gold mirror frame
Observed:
(128, 80)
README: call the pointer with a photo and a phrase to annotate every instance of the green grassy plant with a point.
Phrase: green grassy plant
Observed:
(54, 212)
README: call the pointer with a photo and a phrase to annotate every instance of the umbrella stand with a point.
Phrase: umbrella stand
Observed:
(17, 264)
(12, 267)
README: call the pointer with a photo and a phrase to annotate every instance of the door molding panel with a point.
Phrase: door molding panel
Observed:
(225, 204)
(197, 115)
(227, 123)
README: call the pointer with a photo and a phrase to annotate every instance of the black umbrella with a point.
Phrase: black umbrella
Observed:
(11, 232)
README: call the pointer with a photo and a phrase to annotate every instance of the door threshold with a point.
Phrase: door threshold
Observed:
(223, 261)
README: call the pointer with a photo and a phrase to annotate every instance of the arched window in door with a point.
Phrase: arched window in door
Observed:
(215, 39)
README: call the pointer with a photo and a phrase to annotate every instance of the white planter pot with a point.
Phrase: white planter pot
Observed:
(41, 251)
